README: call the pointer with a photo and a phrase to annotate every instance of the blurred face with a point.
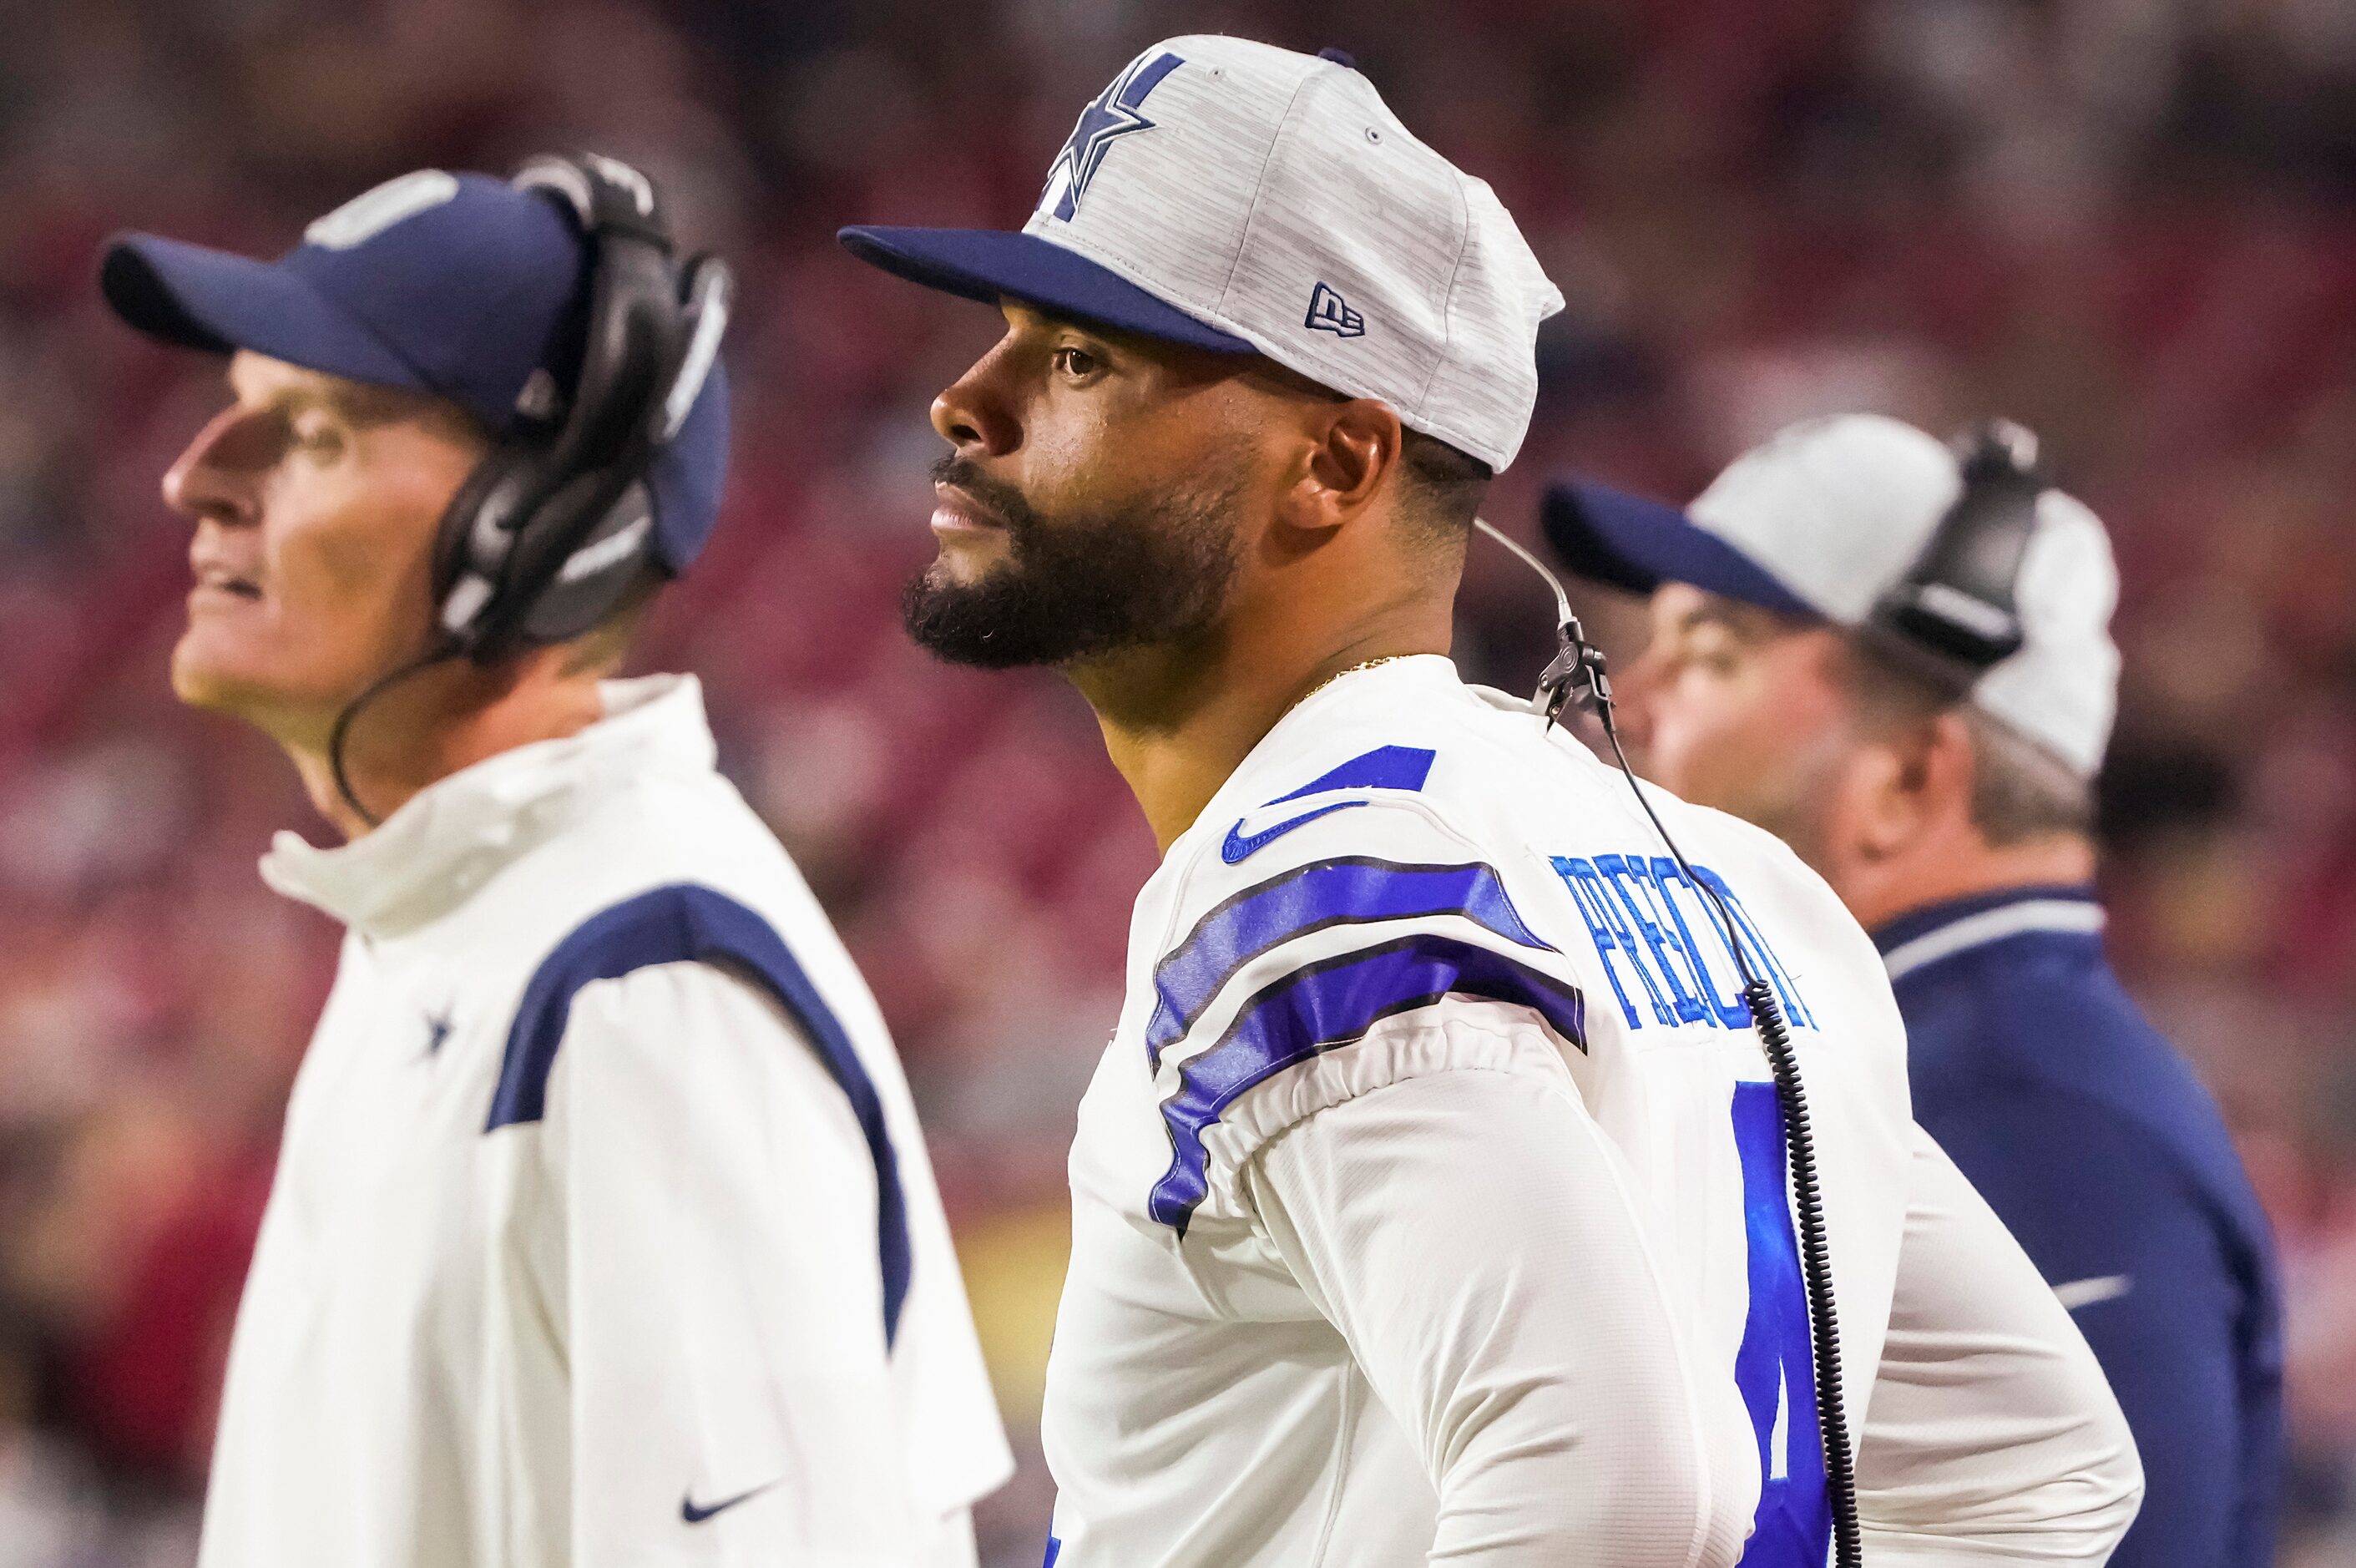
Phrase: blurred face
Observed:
(315, 501)
(1096, 500)
(1743, 709)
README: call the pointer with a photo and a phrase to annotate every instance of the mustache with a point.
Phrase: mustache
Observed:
(1002, 499)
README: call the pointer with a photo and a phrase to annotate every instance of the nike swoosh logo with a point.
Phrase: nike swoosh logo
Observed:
(693, 1512)
(2086, 1292)
(1240, 847)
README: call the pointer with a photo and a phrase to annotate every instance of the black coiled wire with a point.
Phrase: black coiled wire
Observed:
(1808, 1192)
(1815, 1263)
(1576, 674)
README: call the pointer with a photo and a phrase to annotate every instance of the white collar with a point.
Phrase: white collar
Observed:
(2076, 916)
(1379, 684)
(449, 838)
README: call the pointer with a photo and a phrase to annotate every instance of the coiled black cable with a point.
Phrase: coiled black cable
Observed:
(1799, 1144)
(1576, 674)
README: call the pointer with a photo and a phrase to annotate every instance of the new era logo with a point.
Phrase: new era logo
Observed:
(1327, 313)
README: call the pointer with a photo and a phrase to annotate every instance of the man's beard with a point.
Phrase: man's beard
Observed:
(1152, 572)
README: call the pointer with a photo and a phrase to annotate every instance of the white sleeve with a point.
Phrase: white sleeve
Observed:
(721, 1290)
(1992, 1436)
(1470, 1235)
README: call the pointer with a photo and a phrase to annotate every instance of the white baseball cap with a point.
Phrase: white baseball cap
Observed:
(1246, 199)
(1827, 517)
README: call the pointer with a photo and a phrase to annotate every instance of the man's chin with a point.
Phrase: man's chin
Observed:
(213, 685)
(988, 623)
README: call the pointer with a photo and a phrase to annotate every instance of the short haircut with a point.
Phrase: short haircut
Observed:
(605, 648)
(1443, 486)
(2020, 789)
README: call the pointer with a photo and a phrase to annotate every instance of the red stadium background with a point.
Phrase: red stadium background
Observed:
(2130, 225)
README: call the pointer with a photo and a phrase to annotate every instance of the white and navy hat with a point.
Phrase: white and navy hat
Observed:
(1245, 198)
(1825, 518)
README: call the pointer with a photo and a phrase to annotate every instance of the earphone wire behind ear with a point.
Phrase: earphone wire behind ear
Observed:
(1577, 675)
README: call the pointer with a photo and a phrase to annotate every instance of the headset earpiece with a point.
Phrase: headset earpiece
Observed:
(556, 526)
(1955, 611)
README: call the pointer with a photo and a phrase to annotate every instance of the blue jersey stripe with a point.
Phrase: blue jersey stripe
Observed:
(1356, 889)
(1322, 1005)
(1385, 767)
(678, 924)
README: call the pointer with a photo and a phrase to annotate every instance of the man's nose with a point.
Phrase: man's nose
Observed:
(208, 480)
(973, 413)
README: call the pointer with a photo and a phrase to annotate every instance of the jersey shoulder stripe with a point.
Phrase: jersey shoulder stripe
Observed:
(1329, 1004)
(684, 923)
(1353, 889)
(1385, 767)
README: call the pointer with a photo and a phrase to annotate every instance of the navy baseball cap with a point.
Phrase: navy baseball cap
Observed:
(458, 285)
(1630, 543)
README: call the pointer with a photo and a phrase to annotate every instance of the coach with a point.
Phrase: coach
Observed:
(1897, 656)
(602, 1231)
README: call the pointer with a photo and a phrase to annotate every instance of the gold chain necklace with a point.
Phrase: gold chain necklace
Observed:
(1352, 670)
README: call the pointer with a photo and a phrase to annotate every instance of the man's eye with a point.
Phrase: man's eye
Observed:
(1713, 653)
(320, 437)
(1077, 362)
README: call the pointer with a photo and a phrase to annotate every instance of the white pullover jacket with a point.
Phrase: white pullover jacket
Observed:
(603, 1232)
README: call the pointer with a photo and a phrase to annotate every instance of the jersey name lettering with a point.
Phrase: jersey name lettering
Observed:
(1645, 918)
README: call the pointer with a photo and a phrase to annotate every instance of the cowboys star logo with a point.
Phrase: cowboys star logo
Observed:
(1114, 113)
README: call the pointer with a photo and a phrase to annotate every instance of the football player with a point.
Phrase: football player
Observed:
(1431, 1200)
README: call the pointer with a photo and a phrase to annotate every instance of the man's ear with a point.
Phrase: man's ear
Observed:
(1354, 448)
(1919, 783)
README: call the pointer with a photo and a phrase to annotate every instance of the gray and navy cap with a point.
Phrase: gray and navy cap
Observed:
(458, 285)
(1247, 199)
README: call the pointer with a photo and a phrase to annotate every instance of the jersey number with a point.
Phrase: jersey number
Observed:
(1775, 1367)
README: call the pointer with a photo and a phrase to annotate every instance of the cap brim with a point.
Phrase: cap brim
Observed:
(214, 301)
(989, 264)
(1609, 536)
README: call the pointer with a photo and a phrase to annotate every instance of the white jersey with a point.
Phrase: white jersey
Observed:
(1431, 1199)
(603, 1232)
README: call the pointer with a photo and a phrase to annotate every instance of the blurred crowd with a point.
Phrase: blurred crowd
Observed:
(2129, 223)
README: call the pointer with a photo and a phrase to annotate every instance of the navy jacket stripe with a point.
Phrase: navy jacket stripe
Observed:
(679, 924)
(1322, 1005)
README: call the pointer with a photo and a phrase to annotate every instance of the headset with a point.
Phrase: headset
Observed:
(1953, 615)
(556, 526)
(1577, 676)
